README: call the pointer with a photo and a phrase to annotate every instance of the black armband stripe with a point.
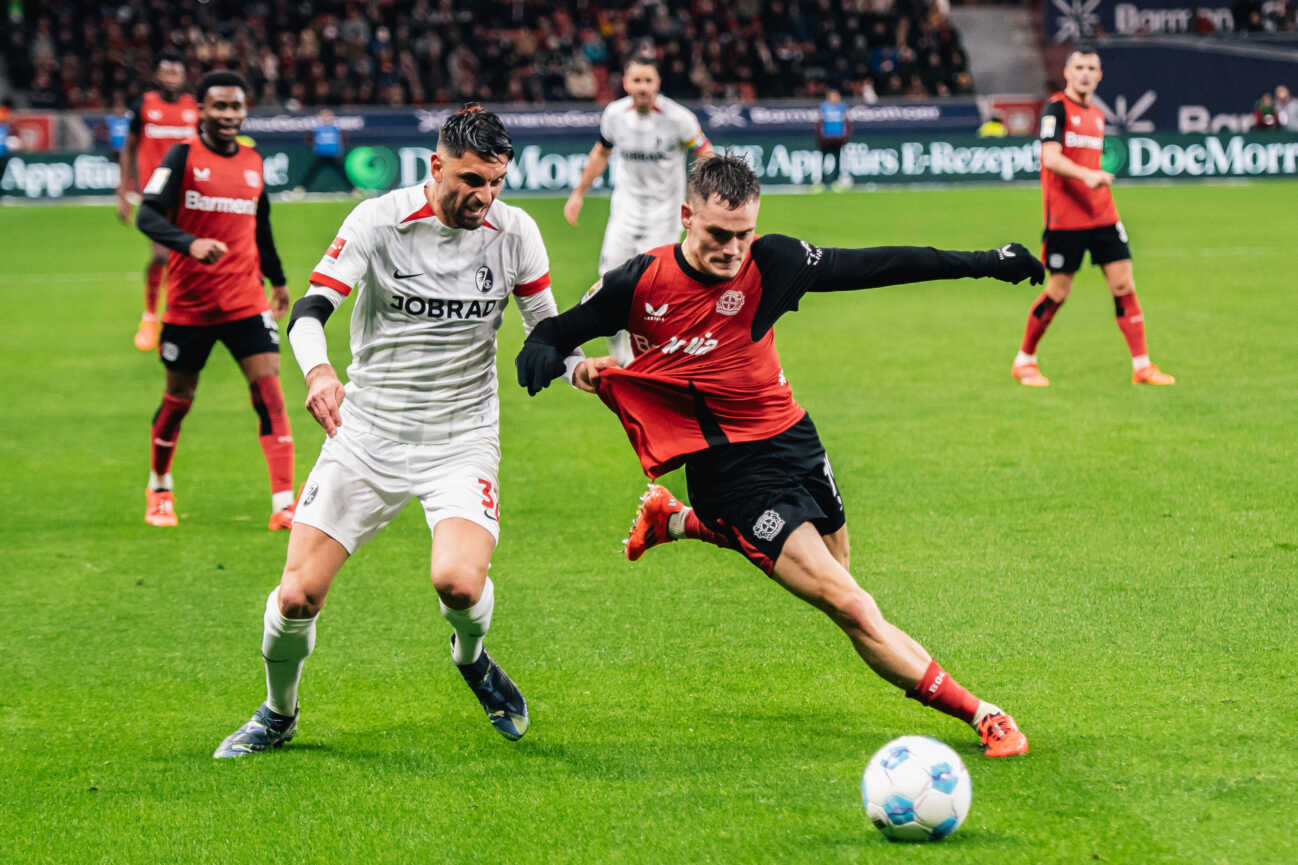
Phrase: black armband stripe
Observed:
(310, 306)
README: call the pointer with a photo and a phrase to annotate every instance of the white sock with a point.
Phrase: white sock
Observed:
(159, 483)
(1140, 361)
(1021, 358)
(676, 524)
(470, 625)
(984, 709)
(285, 645)
(280, 500)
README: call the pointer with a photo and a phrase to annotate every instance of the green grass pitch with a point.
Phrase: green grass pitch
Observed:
(1116, 566)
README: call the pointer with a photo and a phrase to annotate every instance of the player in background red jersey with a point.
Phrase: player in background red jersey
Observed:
(160, 119)
(706, 390)
(207, 203)
(1080, 216)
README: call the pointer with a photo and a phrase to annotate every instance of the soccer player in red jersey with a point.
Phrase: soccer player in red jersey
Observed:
(706, 390)
(160, 119)
(1080, 215)
(206, 202)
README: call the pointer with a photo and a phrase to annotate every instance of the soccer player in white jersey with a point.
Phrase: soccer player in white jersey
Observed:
(432, 268)
(650, 134)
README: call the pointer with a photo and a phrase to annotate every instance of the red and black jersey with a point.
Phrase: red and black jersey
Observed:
(706, 372)
(1067, 202)
(160, 124)
(199, 192)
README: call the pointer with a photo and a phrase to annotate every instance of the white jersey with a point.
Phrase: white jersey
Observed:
(649, 153)
(429, 300)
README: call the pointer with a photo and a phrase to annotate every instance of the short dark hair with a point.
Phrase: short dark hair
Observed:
(476, 129)
(641, 60)
(727, 176)
(170, 57)
(219, 78)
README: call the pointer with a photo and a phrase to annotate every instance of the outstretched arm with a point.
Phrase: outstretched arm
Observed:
(848, 269)
(791, 267)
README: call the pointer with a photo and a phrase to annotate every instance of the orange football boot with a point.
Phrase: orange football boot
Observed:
(1029, 374)
(1001, 736)
(1151, 375)
(160, 508)
(650, 525)
(146, 337)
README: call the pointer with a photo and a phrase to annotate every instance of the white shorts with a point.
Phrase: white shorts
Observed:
(360, 482)
(624, 240)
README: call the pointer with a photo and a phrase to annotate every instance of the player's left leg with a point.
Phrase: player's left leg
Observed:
(255, 344)
(1131, 321)
(461, 555)
(155, 274)
(807, 568)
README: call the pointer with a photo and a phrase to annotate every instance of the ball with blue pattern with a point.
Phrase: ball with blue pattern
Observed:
(916, 789)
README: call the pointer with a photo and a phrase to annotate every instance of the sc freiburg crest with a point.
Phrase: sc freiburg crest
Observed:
(483, 279)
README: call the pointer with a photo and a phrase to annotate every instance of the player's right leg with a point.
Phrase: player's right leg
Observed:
(807, 568)
(1025, 367)
(155, 274)
(184, 352)
(355, 489)
(288, 638)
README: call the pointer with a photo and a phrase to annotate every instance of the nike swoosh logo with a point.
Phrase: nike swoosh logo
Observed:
(399, 275)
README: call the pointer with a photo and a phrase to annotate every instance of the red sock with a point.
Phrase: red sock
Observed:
(166, 431)
(1043, 311)
(939, 691)
(1131, 322)
(274, 432)
(153, 286)
(694, 528)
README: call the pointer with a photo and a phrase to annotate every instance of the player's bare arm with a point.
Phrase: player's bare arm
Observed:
(1053, 159)
(595, 165)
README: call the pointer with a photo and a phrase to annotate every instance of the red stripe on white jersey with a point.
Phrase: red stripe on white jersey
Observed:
(318, 278)
(529, 288)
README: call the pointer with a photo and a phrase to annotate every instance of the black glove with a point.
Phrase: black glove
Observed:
(1013, 263)
(538, 364)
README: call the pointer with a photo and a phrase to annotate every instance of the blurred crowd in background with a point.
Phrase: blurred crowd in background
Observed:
(308, 53)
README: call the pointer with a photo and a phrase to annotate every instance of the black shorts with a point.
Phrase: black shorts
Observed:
(185, 347)
(1062, 250)
(757, 493)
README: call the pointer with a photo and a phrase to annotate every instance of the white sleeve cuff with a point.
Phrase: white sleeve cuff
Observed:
(308, 340)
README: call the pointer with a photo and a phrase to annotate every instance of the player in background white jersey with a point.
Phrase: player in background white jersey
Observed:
(651, 135)
(432, 268)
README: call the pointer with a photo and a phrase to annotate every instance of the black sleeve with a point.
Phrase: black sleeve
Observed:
(158, 203)
(136, 123)
(602, 313)
(310, 306)
(270, 264)
(1053, 120)
(791, 267)
(608, 145)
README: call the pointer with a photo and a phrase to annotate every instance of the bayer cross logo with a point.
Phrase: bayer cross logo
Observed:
(731, 302)
(483, 279)
(768, 525)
